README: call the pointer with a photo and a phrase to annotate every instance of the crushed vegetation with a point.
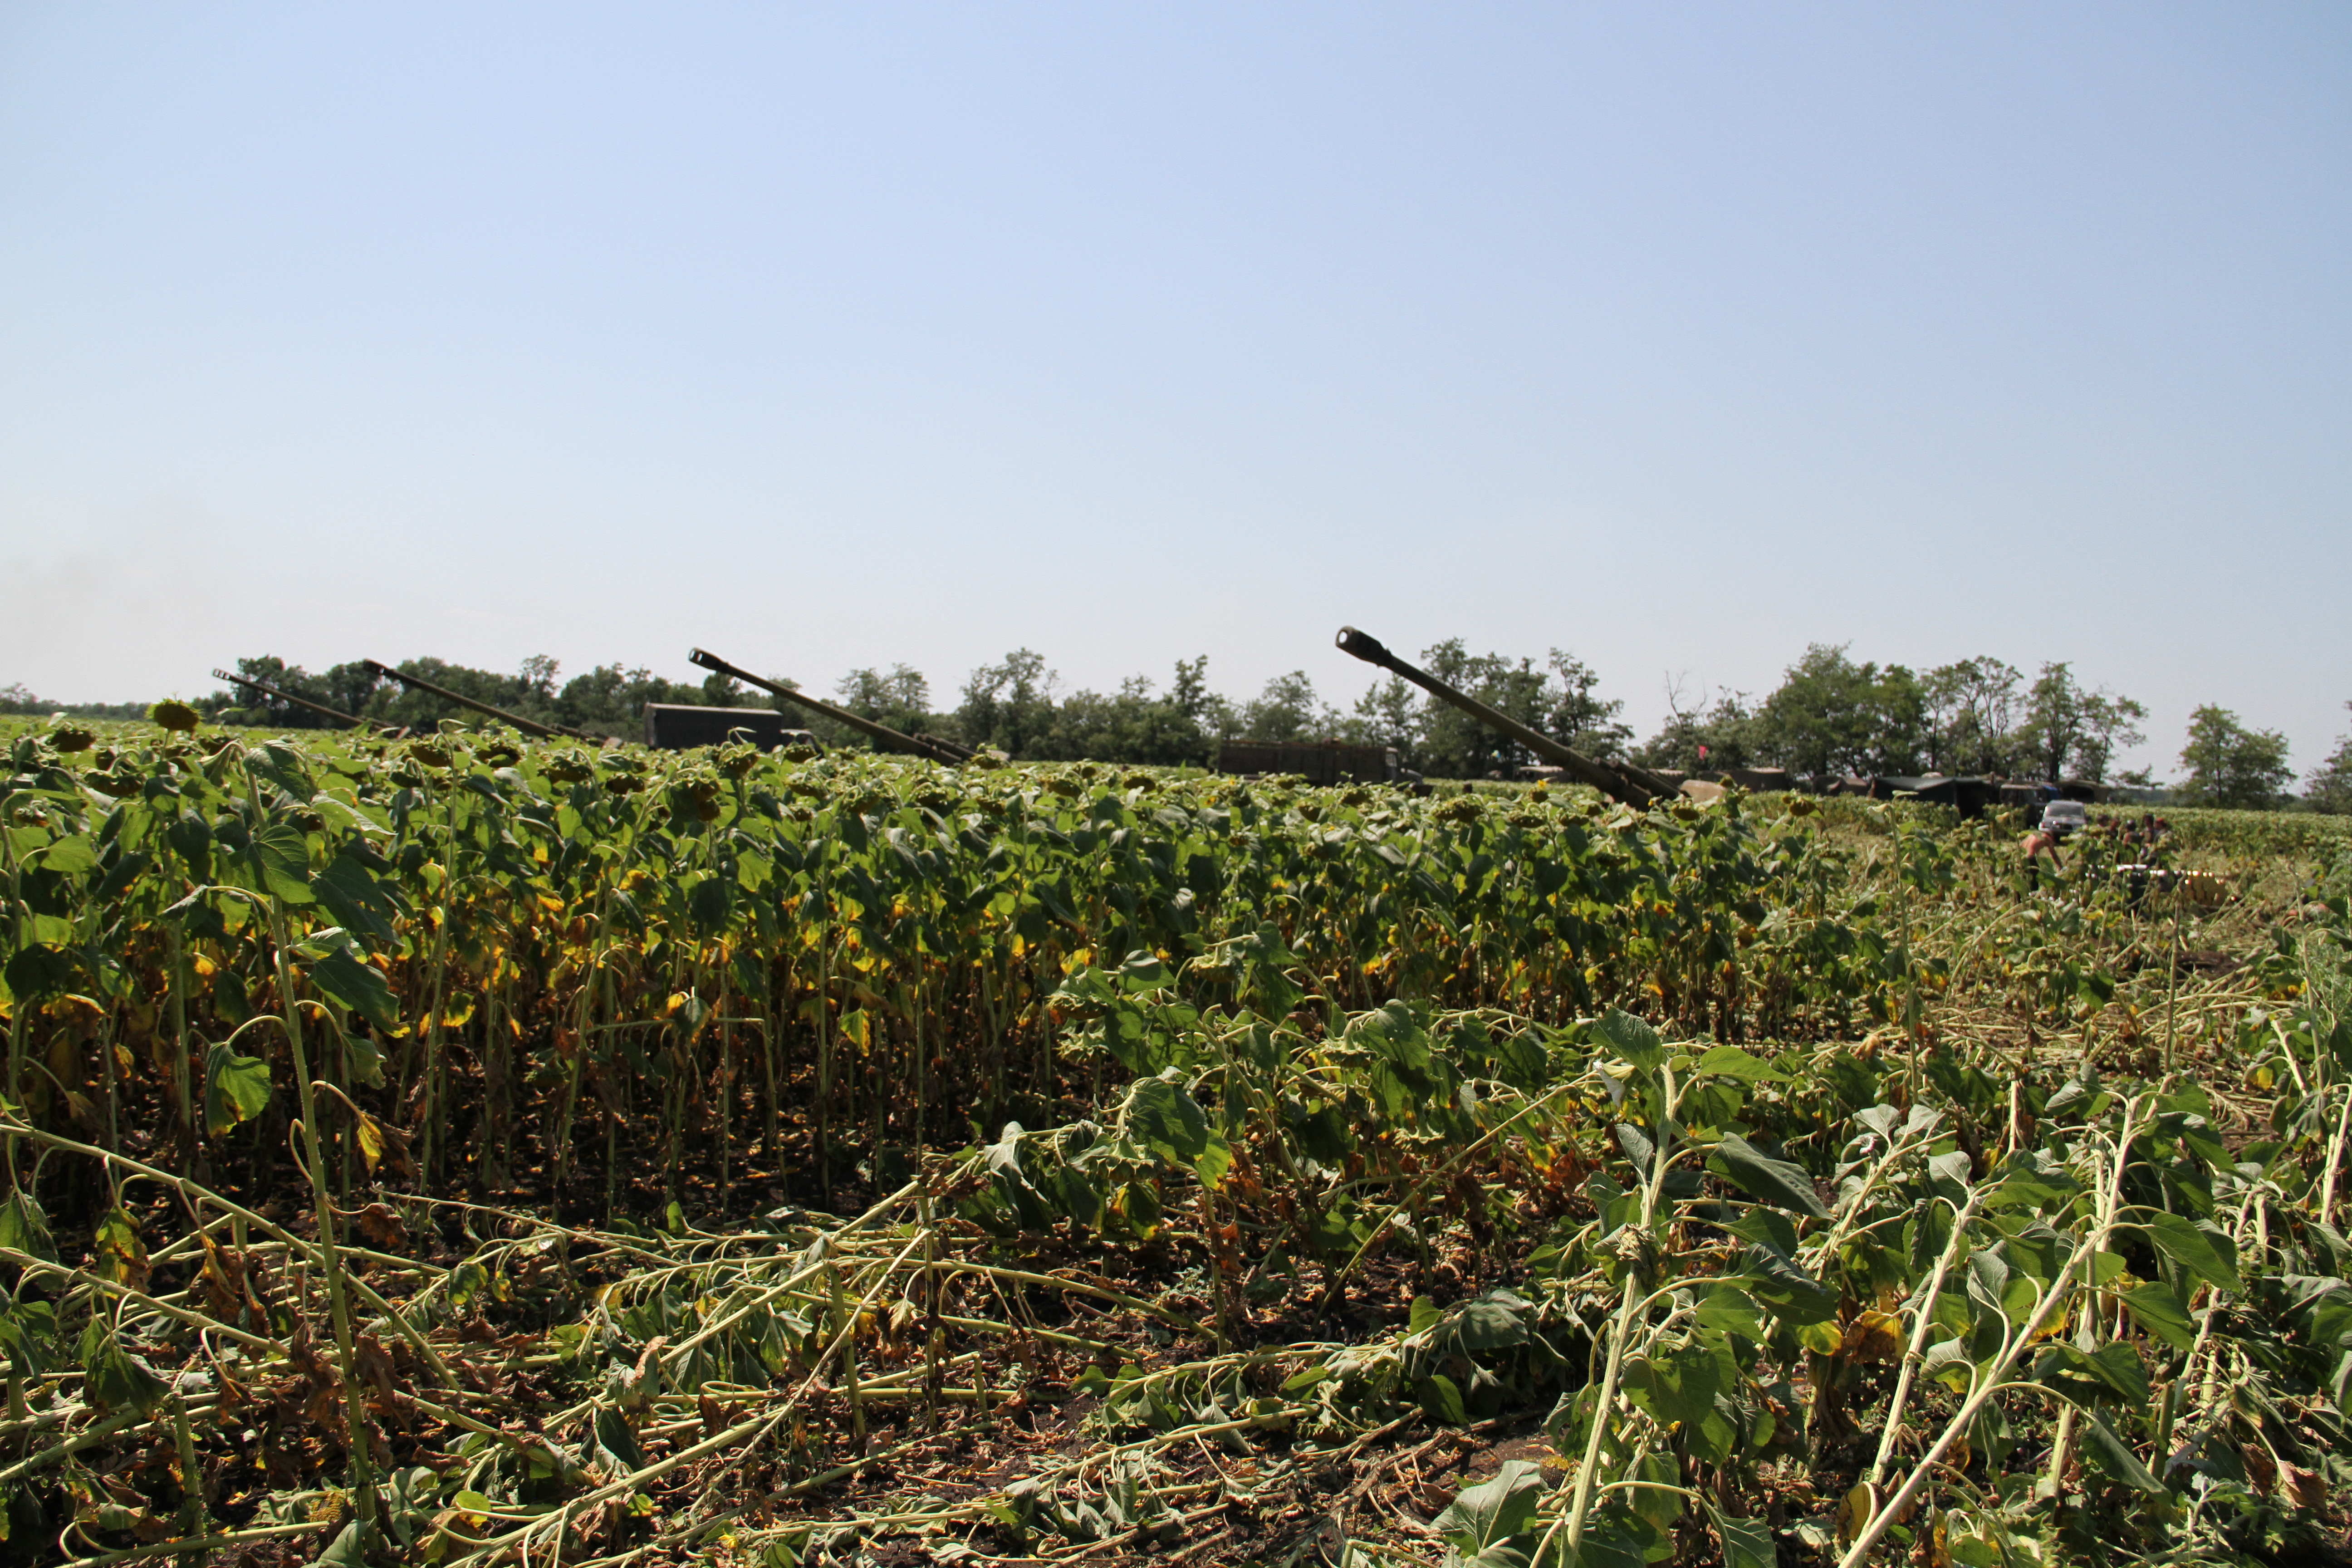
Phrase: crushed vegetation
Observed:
(770, 1159)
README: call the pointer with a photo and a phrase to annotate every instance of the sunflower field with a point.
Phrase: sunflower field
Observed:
(465, 1150)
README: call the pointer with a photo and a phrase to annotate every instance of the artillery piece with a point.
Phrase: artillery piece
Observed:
(931, 746)
(320, 708)
(1623, 782)
(527, 726)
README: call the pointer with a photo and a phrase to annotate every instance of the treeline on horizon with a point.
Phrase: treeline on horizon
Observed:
(1829, 716)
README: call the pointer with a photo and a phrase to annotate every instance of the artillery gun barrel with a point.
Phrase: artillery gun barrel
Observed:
(528, 727)
(1634, 786)
(268, 691)
(930, 746)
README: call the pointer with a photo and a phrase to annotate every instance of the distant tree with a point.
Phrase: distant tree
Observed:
(1012, 706)
(2109, 724)
(116, 712)
(2230, 765)
(537, 677)
(243, 705)
(1574, 717)
(1008, 705)
(17, 697)
(1455, 745)
(1705, 738)
(2066, 727)
(353, 689)
(2329, 786)
(1970, 712)
(1190, 695)
(1900, 739)
(1556, 698)
(610, 699)
(899, 697)
(1389, 714)
(1825, 717)
(1133, 724)
(1286, 711)
(2054, 717)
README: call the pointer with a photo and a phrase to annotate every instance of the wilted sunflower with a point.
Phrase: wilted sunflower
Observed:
(175, 716)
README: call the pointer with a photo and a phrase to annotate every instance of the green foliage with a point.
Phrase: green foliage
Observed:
(1496, 1512)
(118, 1380)
(25, 1227)
(2328, 787)
(2231, 765)
(334, 961)
(1767, 1180)
(608, 701)
(236, 1089)
(17, 698)
(1830, 715)
(1556, 698)
(1733, 1107)
(1705, 738)
(2071, 733)
(2239, 836)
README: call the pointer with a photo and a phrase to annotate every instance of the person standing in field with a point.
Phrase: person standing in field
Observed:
(2041, 841)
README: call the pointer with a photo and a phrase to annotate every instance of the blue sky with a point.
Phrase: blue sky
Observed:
(1676, 336)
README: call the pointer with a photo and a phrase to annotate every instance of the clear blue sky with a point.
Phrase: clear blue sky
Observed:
(1677, 336)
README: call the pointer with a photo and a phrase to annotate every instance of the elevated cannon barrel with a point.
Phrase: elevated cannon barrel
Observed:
(1634, 786)
(527, 726)
(930, 746)
(268, 691)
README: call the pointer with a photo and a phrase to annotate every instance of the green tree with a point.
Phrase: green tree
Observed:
(1288, 710)
(1009, 705)
(2109, 724)
(2232, 764)
(1556, 698)
(2329, 788)
(1970, 709)
(1190, 695)
(1129, 725)
(1899, 741)
(610, 698)
(536, 676)
(1574, 716)
(353, 689)
(18, 698)
(1704, 739)
(356, 689)
(899, 697)
(243, 705)
(2068, 728)
(1389, 714)
(1830, 715)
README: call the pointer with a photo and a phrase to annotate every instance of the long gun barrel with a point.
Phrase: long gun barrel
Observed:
(528, 727)
(930, 746)
(1634, 786)
(268, 691)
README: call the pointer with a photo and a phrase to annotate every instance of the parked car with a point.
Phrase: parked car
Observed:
(2061, 818)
